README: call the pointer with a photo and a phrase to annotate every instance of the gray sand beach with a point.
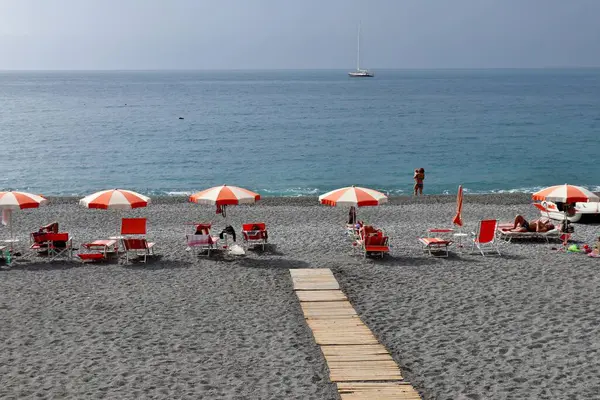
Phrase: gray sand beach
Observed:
(523, 325)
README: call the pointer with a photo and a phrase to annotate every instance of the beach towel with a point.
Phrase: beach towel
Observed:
(5, 216)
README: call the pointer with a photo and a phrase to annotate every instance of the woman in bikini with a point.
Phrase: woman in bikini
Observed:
(419, 177)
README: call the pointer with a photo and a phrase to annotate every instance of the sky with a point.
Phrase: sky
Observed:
(290, 34)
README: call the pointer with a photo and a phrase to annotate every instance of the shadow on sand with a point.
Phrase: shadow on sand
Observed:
(280, 263)
(156, 262)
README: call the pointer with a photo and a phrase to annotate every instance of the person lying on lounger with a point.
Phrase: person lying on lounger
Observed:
(536, 225)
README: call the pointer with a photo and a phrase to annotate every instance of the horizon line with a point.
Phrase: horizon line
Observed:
(292, 69)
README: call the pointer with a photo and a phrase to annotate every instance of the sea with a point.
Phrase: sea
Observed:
(299, 133)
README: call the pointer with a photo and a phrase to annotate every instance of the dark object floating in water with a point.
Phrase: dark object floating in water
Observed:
(180, 117)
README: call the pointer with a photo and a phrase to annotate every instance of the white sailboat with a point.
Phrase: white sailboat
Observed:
(360, 73)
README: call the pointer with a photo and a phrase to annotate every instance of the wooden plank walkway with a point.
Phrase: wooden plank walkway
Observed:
(360, 366)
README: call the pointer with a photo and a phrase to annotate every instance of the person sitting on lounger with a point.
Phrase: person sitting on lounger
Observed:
(536, 225)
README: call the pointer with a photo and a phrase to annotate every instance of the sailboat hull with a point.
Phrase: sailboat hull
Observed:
(361, 74)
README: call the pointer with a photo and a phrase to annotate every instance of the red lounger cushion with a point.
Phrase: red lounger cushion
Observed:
(377, 249)
(91, 256)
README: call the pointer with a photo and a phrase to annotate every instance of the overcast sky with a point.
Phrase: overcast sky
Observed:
(282, 34)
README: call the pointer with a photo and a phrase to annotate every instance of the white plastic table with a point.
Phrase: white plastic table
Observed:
(459, 240)
(11, 242)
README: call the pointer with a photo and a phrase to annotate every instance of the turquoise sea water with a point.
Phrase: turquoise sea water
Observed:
(298, 132)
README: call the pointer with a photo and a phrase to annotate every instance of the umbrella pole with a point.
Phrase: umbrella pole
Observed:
(118, 235)
(11, 230)
(226, 224)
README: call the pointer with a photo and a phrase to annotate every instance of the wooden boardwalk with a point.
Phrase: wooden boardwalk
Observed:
(358, 364)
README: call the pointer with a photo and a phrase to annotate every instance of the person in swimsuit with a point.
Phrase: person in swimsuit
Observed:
(419, 177)
(536, 225)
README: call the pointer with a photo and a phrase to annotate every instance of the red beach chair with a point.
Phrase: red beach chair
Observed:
(98, 250)
(377, 244)
(133, 226)
(139, 246)
(485, 237)
(373, 241)
(39, 240)
(255, 233)
(59, 245)
(199, 238)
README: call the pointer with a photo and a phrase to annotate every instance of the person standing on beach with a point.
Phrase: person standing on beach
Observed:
(419, 177)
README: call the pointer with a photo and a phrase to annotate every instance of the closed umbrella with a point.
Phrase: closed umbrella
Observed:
(459, 203)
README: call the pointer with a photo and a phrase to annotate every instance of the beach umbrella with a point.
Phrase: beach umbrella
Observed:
(223, 196)
(115, 199)
(459, 203)
(353, 196)
(565, 194)
(10, 201)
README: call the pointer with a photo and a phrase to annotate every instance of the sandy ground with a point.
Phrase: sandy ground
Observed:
(520, 326)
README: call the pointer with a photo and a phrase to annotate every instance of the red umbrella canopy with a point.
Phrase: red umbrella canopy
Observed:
(459, 203)
(565, 194)
(225, 195)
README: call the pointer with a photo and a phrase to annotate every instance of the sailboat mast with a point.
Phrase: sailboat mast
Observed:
(358, 49)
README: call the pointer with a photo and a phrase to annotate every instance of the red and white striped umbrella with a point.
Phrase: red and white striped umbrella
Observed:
(115, 199)
(565, 194)
(20, 200)
(10, 201)
(225, 195)
(353, 196)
